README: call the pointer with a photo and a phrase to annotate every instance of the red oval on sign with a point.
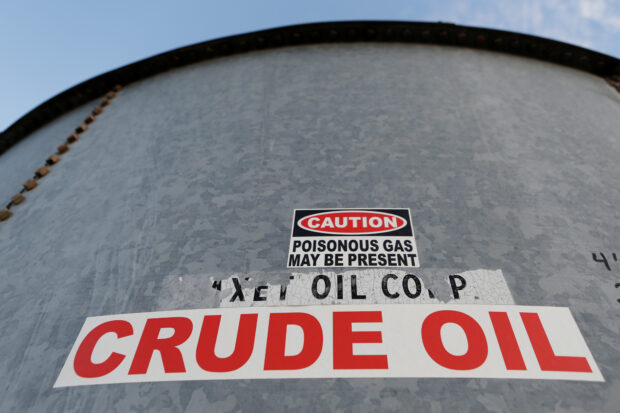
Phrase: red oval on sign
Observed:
(352, 222)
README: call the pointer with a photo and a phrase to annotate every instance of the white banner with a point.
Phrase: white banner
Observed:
(434, 340)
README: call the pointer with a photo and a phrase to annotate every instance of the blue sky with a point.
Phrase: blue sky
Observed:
(49, 46)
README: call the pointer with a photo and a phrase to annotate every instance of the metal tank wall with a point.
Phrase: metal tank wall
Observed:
(505, 162)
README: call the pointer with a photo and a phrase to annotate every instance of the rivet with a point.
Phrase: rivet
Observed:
(42, 171)
(461, 37)
(73, 137)
(118, 88)
(480, 39)
(18, 199)
(111, 95)
(81, 128)
(89, 119)
(104, 103)
(54, 159)
(5, 214)
(426, 34)
(30, 184)
(97, 111)
(62, 149)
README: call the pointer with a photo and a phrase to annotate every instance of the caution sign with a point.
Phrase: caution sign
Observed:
(502, 341)
(373, 238)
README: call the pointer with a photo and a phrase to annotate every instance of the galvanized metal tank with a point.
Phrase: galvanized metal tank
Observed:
(504, 147)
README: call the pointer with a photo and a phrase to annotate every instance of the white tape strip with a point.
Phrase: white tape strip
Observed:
(367, 287)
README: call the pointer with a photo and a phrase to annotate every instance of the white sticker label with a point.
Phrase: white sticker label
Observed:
(339, 238)
(503, 341)
(371, 286)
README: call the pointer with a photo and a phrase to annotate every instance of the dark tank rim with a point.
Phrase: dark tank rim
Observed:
(315, 33)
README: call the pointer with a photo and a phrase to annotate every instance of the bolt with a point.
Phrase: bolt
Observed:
(30, 184)
(53, 159)
(42, 171)
(18, 199)
(81, 128)
(5, 214)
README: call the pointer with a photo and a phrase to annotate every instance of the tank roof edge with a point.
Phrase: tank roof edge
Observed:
(314, 33)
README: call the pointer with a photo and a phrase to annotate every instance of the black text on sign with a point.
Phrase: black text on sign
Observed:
(339, 238)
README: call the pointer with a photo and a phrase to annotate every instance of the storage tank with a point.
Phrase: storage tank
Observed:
(356, 216)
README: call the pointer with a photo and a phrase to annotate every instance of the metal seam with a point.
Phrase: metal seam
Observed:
(54, 158)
